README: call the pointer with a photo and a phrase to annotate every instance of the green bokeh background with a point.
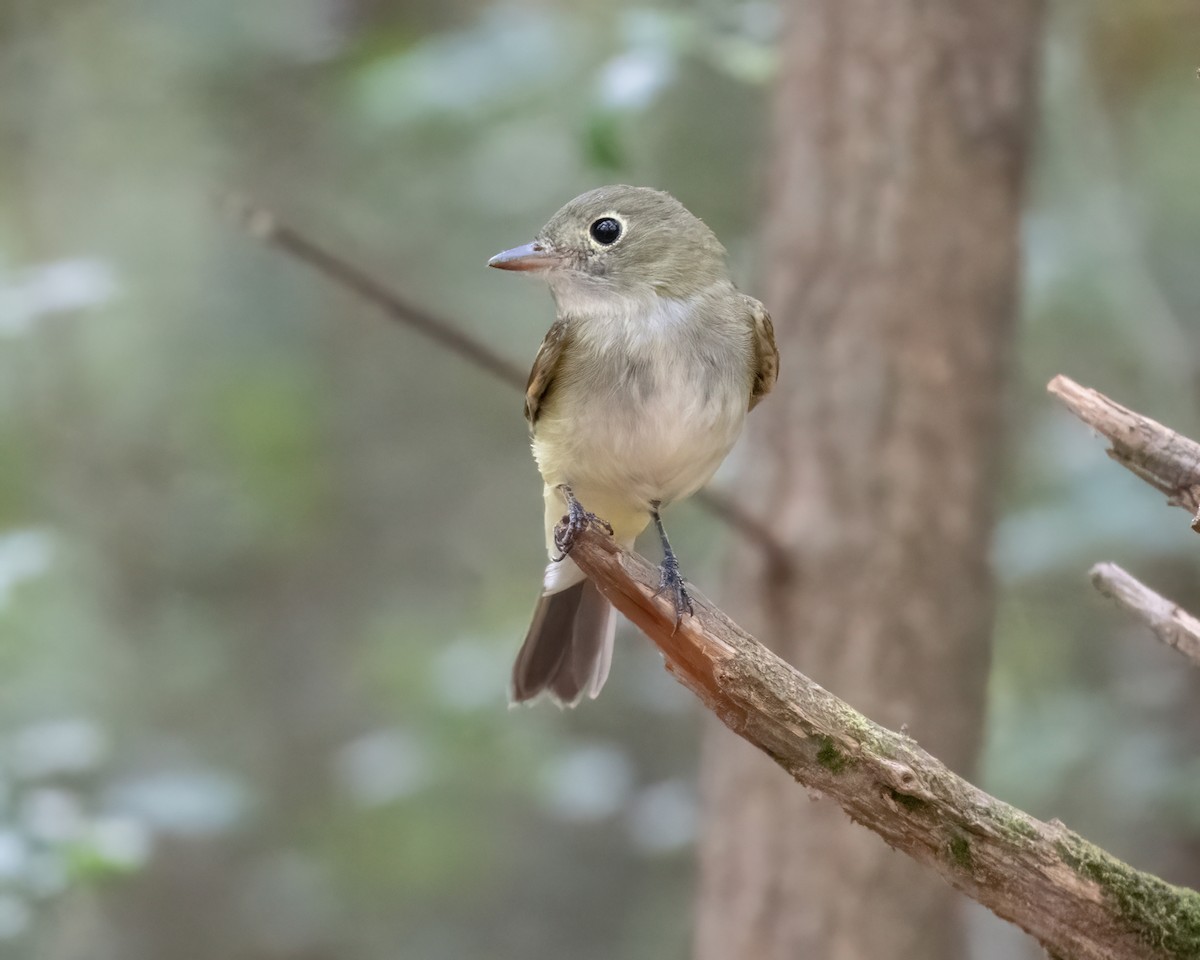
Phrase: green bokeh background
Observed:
(265, 556)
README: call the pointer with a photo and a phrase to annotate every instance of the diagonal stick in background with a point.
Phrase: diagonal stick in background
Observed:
(264, 226)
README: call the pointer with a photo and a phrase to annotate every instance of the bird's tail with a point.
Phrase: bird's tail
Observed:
(568, 649)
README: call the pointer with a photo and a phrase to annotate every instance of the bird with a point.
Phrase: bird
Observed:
(637, 394)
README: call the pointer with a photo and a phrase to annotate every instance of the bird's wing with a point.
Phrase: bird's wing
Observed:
(766, 354)
(545, 368)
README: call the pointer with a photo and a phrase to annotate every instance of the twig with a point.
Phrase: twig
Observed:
(263, 225)
(1174, 626)
(1079, 901)
(1166, 460)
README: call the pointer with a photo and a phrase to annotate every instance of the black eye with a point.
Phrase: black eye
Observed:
(606, 230)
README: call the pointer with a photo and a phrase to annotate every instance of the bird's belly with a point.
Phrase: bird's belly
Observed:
(660, 447)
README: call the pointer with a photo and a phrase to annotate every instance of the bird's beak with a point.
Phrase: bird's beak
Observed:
(530, 256)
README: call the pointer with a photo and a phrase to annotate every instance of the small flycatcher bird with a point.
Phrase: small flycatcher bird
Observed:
(637, 394)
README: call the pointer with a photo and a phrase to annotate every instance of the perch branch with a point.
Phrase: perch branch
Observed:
(1174, 626)
(261, 224)
(1166, 460)
(1079, 901)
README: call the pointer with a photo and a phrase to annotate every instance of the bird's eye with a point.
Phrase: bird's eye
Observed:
(606, 230)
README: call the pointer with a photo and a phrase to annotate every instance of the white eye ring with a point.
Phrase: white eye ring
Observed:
(606, 230)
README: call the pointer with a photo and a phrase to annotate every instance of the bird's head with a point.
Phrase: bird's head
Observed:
(622, 241)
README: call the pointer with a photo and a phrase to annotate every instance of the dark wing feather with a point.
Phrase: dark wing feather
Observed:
(766, 354)
(545, 368)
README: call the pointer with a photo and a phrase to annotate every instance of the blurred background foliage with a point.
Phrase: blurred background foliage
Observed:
(264, 557)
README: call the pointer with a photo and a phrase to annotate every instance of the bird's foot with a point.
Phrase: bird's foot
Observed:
(573, 523)
(671, 583)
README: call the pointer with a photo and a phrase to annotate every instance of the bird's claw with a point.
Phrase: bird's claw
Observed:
(573, 523)
(671, 583)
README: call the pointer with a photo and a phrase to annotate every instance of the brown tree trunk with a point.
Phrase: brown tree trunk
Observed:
(902, 131)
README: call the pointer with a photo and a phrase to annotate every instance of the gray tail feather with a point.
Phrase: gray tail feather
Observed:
(568, 648)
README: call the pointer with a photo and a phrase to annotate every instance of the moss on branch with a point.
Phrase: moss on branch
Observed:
(1038, 875)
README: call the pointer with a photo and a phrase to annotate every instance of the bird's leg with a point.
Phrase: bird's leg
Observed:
(573, 523)
(671, 582)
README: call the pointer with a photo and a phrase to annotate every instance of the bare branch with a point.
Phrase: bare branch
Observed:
(1174, 626)
(264, 226)
(1079, 901)
(1166, 460)
(261, 224)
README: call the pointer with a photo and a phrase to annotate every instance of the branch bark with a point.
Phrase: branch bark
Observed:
(1173, 625)
(1076, 899)
(1166, 460)
(264, 226)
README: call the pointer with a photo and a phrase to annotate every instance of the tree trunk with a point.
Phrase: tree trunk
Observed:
(902, 131)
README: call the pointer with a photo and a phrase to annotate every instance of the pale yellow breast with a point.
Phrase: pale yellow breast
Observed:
(644, 409)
